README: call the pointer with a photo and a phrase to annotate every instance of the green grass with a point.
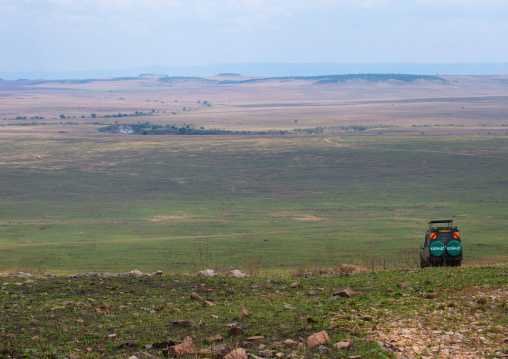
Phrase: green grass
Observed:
(178, 204)
(95, 316)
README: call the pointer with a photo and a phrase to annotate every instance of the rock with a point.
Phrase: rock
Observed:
(186, 348)
(323, 349)
(205, 353)
(255, 337)
(252, 356)
(279, 355)
(342, 345)
(185, 323)
(221, 350)
(236, 331)
(207, 303)
(404, 285)
(214, 339)
(237, 354)
(237, 273)
(290, 343)
(74, 356)
(344, 293)
(267, 353)
(195, 296)
(317, 339)
(29, 281)
(143, 355)
(159, 272)
(208, 273)
(296, 285)
(313, 292)
(107, 274)
(136, 272)
(244, 313)
(128, 343)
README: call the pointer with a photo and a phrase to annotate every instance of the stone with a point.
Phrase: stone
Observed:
(344, 293)
(207, 303)
(317, 339)
(236, 331)
(290, 343)
(244, 313)
(208, 273)
(255, 337)
(237, 354)
(205, 353)
(342, 345)
(296, 285)
(214, 339)
(267, 353)
(323, 349)
(185, 323)
(221, 350)
(237, 273)
(186, 348)
(195, 296)
(404, 285)
(136, 272)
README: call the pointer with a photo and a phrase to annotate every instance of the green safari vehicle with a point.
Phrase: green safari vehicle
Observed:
(442, 245)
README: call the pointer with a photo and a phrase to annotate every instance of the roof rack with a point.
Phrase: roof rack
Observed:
(447, 221)
(442, 221)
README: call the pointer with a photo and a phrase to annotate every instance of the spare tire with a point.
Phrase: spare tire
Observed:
(437, 248)
(454, 248)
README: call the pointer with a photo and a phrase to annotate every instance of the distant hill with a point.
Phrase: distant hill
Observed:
(274, 69)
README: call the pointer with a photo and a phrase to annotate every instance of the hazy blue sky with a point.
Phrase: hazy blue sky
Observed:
(41, 35)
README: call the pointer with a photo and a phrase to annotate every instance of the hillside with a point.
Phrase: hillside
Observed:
(433, 313)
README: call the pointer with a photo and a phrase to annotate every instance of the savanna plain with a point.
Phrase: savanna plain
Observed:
(307, 185)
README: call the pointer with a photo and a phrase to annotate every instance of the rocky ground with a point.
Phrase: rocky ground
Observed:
(342, 314)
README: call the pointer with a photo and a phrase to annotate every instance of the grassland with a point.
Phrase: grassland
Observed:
(177, 203)
(432, 313)
(74, 200)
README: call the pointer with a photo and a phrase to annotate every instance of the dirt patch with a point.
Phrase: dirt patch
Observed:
(310, 218)
(170, 218)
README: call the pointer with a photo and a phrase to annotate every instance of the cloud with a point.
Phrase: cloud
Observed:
(145, 32)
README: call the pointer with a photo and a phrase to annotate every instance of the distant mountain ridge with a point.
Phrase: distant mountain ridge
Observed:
(274, 69)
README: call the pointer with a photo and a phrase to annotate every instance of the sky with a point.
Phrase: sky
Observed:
(62, 35)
